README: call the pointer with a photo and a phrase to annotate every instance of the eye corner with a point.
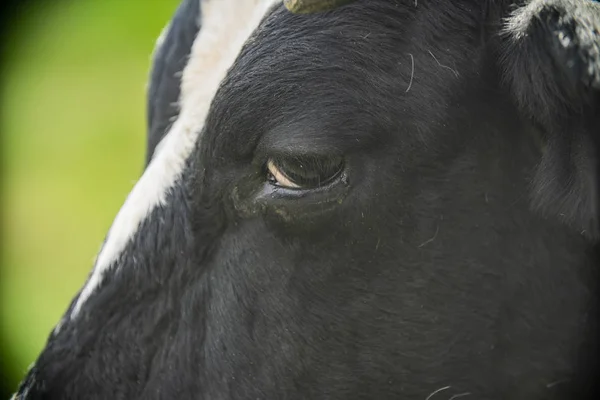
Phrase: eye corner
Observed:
(276, 177)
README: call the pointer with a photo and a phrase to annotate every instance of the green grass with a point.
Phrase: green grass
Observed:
(73, 131)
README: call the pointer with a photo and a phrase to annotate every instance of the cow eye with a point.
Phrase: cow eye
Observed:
(306, 172)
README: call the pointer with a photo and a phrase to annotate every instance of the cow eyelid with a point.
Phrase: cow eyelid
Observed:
(276, 175)
(303, 172)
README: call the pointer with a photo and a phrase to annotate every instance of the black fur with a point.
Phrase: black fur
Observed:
(165, 78)
(424, 266)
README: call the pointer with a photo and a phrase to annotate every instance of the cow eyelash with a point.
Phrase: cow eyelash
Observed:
(305, 172)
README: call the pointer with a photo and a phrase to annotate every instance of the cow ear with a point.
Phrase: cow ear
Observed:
(551, 64)
(170, 56)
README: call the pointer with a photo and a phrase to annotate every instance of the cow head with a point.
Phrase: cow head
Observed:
(394, 199)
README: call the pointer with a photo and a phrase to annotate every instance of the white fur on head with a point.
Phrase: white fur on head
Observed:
(518, 23)
(225, 28)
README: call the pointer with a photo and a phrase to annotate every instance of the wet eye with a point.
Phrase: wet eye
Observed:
(307, 172)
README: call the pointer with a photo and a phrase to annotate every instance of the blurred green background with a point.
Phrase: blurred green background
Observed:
(73, 135)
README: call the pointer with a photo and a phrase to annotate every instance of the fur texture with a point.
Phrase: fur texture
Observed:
(424, 271)
(551, 62)
(227, 26)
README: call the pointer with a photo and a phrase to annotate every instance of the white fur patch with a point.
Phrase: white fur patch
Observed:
(582, 14)
(518, 23)
(226, 26)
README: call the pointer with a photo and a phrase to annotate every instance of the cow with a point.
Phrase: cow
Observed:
(393, 199)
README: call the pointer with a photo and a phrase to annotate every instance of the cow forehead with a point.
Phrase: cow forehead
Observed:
(311, 79)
